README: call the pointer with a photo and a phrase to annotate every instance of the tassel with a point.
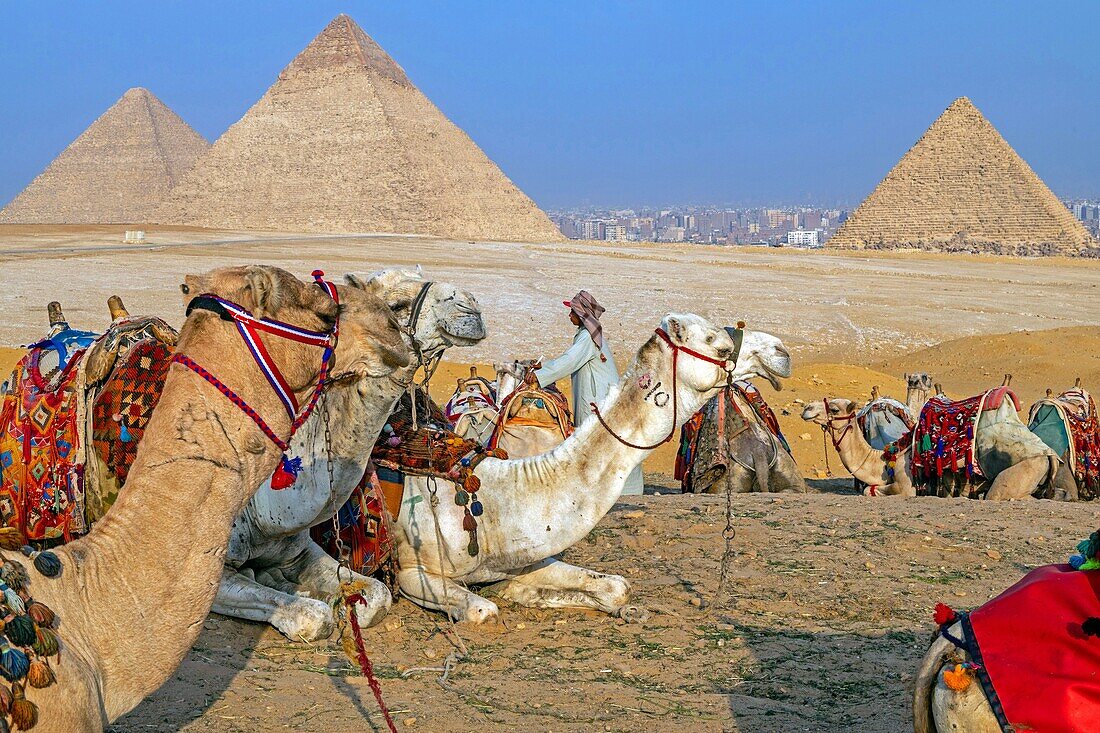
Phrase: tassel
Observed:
(468, 522)
(40, 675)
(476, 509)
(21, 631)
(124, 433)
(13, 663)
(11, 538)
(393, 441)
(41, 613)
(5, 700)
(472, 483)
(14, 575)
(45, 562)
(24, 713)
(45, 644)
(287, 473)
(15, 603)
(473, 549)
(462, 498)
(944, 614)
(958, 679)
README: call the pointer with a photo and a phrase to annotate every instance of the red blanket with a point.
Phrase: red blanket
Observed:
(1044, 668)
(943, 439)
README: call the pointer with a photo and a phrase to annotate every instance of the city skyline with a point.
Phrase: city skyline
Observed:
(741, 105)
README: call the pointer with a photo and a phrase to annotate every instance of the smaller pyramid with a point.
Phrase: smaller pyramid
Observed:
(961, 187)
(116, 172)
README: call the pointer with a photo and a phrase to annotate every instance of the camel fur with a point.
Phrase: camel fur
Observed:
(134, 593)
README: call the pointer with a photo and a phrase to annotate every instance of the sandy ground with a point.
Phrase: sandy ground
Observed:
(831, 593)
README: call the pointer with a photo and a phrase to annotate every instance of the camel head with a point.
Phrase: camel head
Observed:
(816, 413)
(448, 317)
(369, 345)
(918, 381)
(763, 355)
(698, 334)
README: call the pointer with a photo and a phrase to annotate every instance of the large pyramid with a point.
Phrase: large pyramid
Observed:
(343, 142)
(962, 187)
(117, 171)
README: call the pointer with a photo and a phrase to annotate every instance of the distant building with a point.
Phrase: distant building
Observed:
(803, 238)
(615, 232)
(671, 234)
(592, 229)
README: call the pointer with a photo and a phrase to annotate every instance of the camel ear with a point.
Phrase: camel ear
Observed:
(676, 329)
(262, 290)
(353, 280)
(419, 270)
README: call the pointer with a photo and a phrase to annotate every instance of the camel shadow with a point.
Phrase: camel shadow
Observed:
(223, 650)
(841, 486)
(792, 680)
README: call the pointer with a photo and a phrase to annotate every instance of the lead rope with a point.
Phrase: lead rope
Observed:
(729, 533)
(352, 597)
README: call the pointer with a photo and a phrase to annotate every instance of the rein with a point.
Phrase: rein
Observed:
(676, 349)
(250, 327)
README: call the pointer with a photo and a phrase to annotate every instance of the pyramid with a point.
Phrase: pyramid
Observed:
(117, 171)
(344, 142)
(962, 187)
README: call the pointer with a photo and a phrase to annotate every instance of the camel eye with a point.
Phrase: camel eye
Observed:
(710, 339)
(185, 289)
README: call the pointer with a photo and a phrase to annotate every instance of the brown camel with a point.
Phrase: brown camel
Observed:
(133, 594)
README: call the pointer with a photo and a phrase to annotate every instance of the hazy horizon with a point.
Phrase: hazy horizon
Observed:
(611, 105)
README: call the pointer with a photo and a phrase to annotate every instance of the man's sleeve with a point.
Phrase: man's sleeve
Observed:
(580, 353)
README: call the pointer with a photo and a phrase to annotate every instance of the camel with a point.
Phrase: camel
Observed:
(275, 573)
(1061, 422)
(133, 594)
(537, 507)
(938, 708)
(918, 386)
(754, 458)
(1016, 463)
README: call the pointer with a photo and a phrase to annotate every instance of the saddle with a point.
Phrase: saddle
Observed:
(943, 438)
(884, 421)
(472, 409)
(69, 430)
(1069, 424)
(534, 406)
(362, 530)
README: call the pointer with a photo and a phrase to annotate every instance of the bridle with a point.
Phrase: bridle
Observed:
(250, 327)
(828, 429)
(676, 349)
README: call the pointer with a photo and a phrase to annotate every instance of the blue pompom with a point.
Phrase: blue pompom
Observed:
(1076, 561)
(476, 509)
(14, 664)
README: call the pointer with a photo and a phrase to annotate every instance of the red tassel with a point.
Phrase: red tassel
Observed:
(469, 524)
(944, 614)
(286, 474)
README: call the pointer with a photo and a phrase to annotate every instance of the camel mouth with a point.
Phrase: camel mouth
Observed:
(809, 414)
(464, 329)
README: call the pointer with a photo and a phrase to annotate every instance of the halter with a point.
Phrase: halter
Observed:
(249, 326)
(676, 349)
(829, 420)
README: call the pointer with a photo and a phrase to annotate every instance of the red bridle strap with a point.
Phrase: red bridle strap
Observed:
(676, 349)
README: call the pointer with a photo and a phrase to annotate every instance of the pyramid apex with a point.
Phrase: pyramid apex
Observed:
(343, 44)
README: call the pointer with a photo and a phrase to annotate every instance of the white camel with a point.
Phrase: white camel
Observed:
(537, 507)
(1015, 461)
(275, 573)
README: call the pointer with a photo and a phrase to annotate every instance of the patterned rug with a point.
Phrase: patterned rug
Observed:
(943, 439)
(41, 462)
(364, 522)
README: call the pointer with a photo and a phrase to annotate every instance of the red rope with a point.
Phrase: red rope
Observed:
(364, 661)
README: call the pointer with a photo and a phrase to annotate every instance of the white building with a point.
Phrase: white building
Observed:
(803, 238)
(615, 232)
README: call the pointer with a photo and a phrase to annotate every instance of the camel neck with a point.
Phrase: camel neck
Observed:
(857, 455)
(914, 400)
(148, 571)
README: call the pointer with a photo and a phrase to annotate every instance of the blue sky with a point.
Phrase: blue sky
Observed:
(602, 103)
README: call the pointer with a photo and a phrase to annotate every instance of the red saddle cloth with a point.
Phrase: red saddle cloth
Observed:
(1044, 668)
(944, 435)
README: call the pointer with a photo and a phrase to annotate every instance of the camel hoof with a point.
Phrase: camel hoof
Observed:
(378, 603)
(480, 614)
(632, 614)
(304, 619)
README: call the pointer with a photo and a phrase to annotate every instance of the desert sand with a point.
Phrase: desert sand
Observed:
(829, 607)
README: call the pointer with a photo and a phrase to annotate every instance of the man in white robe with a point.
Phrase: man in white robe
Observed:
(590, 365)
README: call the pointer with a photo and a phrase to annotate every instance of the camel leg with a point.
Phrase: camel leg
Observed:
(296, 617)
(441, 594)
(1065, 484)
(552, 583)
(967, 710)
(319, 574)
(1019, 481)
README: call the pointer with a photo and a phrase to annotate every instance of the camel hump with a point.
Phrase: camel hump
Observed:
(118, 310)
(57, 316)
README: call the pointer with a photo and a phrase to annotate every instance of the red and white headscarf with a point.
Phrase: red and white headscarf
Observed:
(588, 311)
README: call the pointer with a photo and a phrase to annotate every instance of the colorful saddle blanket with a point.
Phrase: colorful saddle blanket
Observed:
(41, 456)
(943, 438)
(363, 524)
(1069, 424)
(733, 422)
(1037, 652)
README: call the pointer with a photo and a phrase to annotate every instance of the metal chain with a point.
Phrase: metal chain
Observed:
(729, 533)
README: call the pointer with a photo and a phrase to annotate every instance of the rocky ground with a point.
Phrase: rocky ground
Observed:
(830, 594)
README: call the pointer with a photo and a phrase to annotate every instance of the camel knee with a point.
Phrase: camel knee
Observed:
(476, 610)
(303, 619)
(377, 602)
(613, 592)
